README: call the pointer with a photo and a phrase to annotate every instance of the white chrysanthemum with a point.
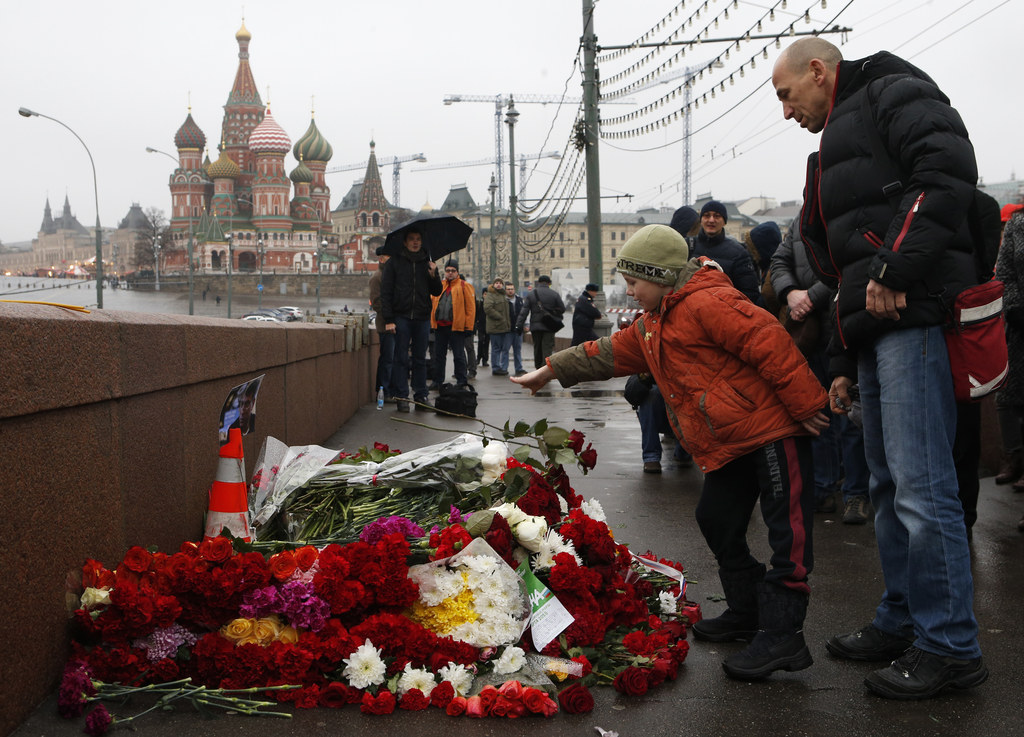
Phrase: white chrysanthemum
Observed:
(457, 675)
(667, 602)
(451, 583)
(506, 628)
(520, 555)
(365, 667)
(512, 514)
(594, 510)
(416, 678)
(479, 563)
(512, 659)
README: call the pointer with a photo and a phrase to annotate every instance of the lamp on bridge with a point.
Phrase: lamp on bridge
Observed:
(319, 263)
(156, 260)
(191, 265)
(230, 260)
(26, 113)
(513, 200)
(259, 254)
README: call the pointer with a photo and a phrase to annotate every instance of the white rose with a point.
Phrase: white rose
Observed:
(531, 532)
(512, 514)
(495, 457)
(93, 598)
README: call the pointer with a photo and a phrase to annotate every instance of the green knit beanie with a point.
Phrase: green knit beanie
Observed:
(655, 253)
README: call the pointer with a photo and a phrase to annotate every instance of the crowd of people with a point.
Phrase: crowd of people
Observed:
(798, 368)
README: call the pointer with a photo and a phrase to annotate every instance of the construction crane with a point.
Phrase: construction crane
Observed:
(482, 162)
(500, 102)
(396, 177)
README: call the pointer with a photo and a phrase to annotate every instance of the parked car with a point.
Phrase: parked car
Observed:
(273, 313)
(296, 312)
(260, 318)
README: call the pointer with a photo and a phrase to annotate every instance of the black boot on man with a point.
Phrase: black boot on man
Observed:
(779, 644)
(739, 621)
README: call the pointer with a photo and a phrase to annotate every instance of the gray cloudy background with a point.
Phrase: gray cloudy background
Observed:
(123, 74)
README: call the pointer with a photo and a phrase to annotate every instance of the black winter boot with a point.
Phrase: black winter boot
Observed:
(779, 645)
(739, 621)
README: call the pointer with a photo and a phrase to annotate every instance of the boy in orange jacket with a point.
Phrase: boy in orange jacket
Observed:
(743, 401)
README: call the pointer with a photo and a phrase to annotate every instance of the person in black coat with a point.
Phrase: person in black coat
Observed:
(544, 308)
(584, 315)
(731, 255)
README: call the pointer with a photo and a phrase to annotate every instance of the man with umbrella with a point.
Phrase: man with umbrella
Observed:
(407, 284)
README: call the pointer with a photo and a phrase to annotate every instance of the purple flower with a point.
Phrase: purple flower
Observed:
(260, 602)
(75, 686)
(384, 526)
(164, 643)
(303, 607)
(455, 517)
(98, 721)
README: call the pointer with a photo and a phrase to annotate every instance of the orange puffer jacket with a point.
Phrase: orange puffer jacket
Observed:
(732, 378)
(463, 306)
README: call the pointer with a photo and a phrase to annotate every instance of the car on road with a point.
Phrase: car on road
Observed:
(296, 312)
(274, 314)
(260, 318)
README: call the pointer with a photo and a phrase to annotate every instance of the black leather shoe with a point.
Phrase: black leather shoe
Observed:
(402, 405)
(869, 643)
(917, 674)
(727, 627)
(769, 652)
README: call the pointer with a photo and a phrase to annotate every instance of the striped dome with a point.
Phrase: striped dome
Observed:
(301, 173)
(224, 168)
(269, 137)
(313, 146)
(189, 136)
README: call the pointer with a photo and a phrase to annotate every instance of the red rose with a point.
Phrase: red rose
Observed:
(575, 441)
(282, 565)
(474, 707)
(334, 695)
(382, 703)
(137, 559)
(216, 550)
(413, 700)
(456, 707)
(588, 458)
(511, 690)
(632, 681)
(488, 695)
(305, 557)
(576, 699)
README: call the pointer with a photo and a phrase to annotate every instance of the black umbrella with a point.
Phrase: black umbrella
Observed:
(441, 236)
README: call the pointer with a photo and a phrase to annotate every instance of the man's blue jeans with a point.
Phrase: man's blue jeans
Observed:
(653, 423)
(839, 449)
(517, 351)
(500, 344)
(410, 336)
(909, 426)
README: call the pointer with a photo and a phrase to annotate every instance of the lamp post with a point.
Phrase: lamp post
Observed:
(259, 254)
(230, 259)
(191, 266)
(156, 260)
(26, 113)
(494, 239)
(511, 117)
(319, 263)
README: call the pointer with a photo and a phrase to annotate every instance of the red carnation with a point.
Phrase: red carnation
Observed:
(576, 699)
(413, 700)
(442, 694)
(382, 703)
(334, 695)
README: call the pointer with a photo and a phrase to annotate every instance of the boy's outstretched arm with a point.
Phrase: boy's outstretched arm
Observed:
(535, 380)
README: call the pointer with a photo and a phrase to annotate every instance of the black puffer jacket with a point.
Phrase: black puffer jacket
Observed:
(735, 260)
(406, 286)
(922, 247)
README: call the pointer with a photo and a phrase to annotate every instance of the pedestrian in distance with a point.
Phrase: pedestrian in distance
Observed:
(386, 354)
(893, 238)
(453, 320)
(742, 400)
(515, 306)
(543, 307)
(499, 326)
(584, 315)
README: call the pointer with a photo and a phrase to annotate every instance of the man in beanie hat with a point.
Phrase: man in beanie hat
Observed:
(731, 255)
(762, 241)
(742, 399)
(584, 314)
(453, 320)
(544, 308)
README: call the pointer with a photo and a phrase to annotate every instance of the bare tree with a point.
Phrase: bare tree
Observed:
(154, 229)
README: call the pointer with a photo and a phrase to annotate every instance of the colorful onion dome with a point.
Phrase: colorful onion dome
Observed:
(224, 168)
(189, 136)
(269, 137)
(301, 173)
(313, 146)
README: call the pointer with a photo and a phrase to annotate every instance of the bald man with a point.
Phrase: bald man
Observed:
(885, 213)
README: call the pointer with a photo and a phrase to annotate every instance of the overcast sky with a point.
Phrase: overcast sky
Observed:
(122, 74)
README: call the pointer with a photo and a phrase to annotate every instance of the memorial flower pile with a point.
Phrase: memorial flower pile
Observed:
(515, 603)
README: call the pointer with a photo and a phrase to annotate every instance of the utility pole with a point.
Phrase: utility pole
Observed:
(513, 199)
(590, 118)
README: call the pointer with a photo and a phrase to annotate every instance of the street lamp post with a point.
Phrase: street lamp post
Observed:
(494, 239)
(230, 259)
(156, 260)
(319, 263)
(513, 200)
(26, 113)
(191, 266)
(259, 253)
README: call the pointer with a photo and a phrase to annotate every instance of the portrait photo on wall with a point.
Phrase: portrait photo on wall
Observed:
(239, 408)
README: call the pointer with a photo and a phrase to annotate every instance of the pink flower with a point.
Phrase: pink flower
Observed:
(475, 707)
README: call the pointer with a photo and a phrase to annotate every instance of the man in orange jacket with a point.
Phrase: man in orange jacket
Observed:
(453, 320)
(742, 400)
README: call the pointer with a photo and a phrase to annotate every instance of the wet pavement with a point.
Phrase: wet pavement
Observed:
(651, 512)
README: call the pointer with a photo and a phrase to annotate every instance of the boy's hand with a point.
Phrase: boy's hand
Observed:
(535, 380)
(814, 425)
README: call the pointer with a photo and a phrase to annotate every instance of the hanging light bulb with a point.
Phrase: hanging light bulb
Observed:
(727, 53)
(712, 93)
(764, 52)
(753, 62)
(731, 80)
(807, 16)
(824, 4)
(783, 4)
(771, 14)
(792, 31)
(759, 27)
(742, 72)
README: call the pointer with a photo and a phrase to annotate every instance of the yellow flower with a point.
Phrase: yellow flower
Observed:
(238, 629)
(268, 629)
(449, 614)
(289, 635)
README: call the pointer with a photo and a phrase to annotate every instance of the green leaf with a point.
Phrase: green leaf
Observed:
(564, 456)
(521, 454)
(540, 426)
(556, 437)
(522, 428)
(479, 523)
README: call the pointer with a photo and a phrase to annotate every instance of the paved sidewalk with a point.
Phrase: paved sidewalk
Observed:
(650, 512)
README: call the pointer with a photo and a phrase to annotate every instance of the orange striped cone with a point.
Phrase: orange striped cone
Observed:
(229, 499)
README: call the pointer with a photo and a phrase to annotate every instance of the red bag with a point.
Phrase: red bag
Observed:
(976, 341)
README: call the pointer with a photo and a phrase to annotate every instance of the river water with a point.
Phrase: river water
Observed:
(82, 293)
